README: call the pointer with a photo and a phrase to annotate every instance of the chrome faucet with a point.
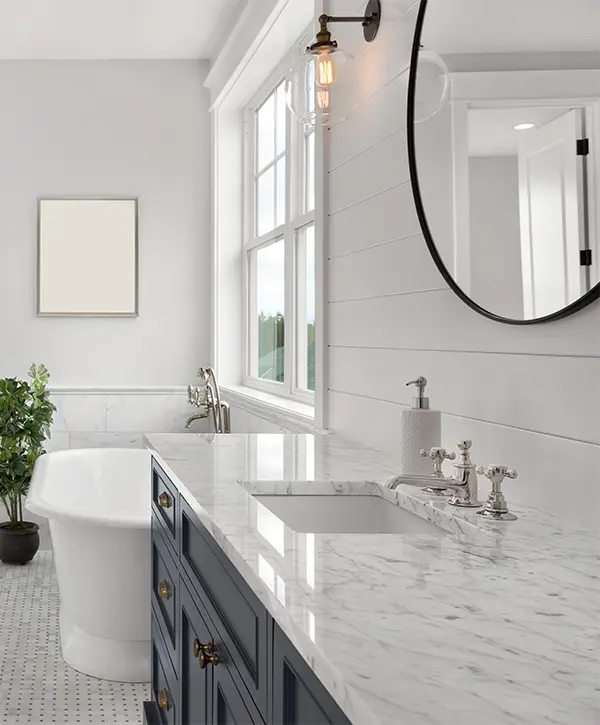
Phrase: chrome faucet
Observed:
(208, 398)
(197, 396)
(462, 483)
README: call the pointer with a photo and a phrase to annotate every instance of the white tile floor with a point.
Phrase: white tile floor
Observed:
(36, 686)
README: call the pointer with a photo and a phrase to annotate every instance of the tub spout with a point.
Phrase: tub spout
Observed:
(196, 416)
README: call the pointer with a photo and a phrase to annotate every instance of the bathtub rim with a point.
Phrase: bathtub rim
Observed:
(40, 505)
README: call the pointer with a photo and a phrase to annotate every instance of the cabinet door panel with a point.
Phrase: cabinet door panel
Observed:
(239, 617)
(298, 696)
(196, 683)
(229, 708)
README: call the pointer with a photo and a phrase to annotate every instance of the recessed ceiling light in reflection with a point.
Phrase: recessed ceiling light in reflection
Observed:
(523, 126)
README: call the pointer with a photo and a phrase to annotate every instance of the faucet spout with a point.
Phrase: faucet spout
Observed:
(196, 416)
(418, 481)
(463, 482)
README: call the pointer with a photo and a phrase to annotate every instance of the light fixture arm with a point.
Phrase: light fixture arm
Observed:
(370, 22)
(364, 19)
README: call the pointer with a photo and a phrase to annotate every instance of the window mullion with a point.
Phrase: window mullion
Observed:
(249, 222)
(290, 325)
(251, 346)
(265, 239)
(301, 297)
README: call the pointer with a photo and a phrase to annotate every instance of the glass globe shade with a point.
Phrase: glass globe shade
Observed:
(432, 88)
(308, 86)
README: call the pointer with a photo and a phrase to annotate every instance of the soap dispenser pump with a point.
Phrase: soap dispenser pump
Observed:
(420, 428)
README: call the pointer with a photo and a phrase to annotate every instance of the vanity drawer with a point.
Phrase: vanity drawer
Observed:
(164, 683)
(164, 499)
(165, 594)
(239, 618)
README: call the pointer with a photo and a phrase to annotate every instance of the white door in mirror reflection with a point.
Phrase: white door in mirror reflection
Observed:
(551, 215)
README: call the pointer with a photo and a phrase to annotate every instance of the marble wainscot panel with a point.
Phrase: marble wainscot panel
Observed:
(490, 624)
(106, 417)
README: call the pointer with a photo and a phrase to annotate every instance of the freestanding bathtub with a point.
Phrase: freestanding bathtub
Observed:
(98, 503)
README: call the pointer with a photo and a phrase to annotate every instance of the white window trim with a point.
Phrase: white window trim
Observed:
(296, 219)
(264, 31)
(290, 415)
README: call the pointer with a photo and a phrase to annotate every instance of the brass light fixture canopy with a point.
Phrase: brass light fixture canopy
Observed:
(370, 21)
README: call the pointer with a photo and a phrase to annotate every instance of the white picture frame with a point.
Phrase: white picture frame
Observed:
(87, 257)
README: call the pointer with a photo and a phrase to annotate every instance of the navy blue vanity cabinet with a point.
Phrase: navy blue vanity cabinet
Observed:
(298, 697)
(240, 620)
(211, 688)
(165, 688)
(195, 676)
(218, 657)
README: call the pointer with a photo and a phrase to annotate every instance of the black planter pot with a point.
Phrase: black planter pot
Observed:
(19, 544)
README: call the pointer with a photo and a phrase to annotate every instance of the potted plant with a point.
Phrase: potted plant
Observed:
(25, 419)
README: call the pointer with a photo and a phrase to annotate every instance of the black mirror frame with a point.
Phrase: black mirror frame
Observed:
(579, 304)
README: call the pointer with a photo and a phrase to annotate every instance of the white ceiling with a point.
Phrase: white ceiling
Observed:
(492, 133)
(509, 26)
(102, 29)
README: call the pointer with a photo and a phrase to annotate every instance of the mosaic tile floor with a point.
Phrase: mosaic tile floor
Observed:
(36, 686)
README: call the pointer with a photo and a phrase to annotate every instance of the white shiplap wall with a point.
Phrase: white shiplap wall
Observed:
(529, 396)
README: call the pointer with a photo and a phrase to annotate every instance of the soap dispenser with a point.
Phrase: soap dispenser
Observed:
(420, 428)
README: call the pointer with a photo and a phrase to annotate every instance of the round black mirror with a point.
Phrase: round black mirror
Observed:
(504, 152)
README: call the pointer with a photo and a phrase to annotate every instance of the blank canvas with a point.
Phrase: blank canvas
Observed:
(87, 257)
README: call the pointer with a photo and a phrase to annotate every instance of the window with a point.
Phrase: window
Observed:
(280, 249)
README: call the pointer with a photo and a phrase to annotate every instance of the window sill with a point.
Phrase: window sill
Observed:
(289, 414)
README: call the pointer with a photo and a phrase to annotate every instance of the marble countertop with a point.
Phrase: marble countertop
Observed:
(490, 624)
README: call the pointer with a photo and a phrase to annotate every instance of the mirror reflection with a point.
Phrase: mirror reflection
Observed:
(507, 147)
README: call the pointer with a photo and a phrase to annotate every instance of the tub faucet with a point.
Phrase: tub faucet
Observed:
(462, 482)
(209, 399)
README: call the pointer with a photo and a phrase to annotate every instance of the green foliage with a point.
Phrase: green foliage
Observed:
(271, 341)
(25, 418)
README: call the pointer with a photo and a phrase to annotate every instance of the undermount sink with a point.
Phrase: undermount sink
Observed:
(345, 514)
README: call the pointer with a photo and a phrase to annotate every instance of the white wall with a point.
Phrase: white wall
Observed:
(136, 128)
(528, 396)
(496, 273)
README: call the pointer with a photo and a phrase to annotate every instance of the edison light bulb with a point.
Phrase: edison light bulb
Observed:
(325, 71)
(323, 98)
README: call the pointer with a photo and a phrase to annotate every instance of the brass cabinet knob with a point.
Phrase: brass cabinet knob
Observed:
(208, 656)
(164, 500)
(163, 700)
(164, 589)
(196, 647)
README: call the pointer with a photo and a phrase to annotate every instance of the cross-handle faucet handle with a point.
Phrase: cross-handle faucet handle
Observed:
(438, 456)
(497, 474)
(495, 507)
(196, 395)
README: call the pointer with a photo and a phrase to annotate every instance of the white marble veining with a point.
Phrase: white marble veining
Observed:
(492, 624)
(101, 439)
(121, 411)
